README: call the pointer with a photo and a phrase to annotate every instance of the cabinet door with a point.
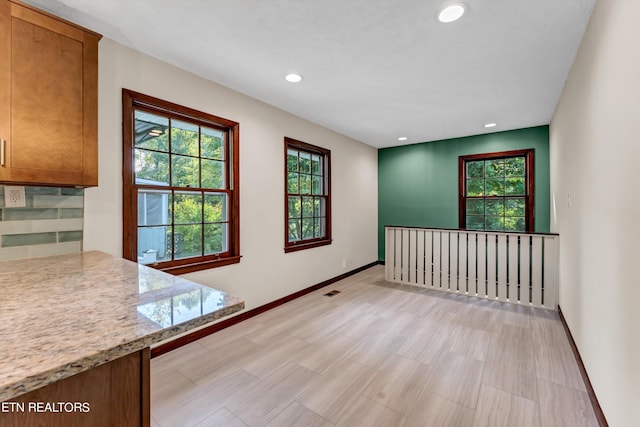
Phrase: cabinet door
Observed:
(49, 80)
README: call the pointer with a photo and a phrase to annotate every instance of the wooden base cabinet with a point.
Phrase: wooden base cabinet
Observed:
(113, 394)
(48, 99)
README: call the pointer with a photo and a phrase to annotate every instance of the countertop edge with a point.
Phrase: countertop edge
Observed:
(28, 384)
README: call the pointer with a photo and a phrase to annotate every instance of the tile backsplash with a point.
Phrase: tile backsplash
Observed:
(50, 224)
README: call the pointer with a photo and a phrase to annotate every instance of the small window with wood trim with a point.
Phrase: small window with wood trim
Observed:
(307, 195)
(181, 195)
(496, 191)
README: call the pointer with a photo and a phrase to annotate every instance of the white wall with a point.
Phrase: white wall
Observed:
(265, 272)
(595, 157)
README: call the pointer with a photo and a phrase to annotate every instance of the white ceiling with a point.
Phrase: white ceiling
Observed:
(373, 70)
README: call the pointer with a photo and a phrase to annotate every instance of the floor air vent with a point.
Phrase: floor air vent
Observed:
(332, 293)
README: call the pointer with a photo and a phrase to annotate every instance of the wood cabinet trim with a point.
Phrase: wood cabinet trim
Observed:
(54, 17)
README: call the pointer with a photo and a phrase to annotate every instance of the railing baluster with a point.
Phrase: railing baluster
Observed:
(453, 261)
(492, 266)
(428, 258)
(437, 235)
(463, 257)
(502, 257)
(525, 270)
(411, 277)
(481, 250)
(405, 256)
(444, 260)
(550, 295)
(536, 271)
(388, 251)
(512, 274)
(398, 253)
(472, 264)
(420, 261)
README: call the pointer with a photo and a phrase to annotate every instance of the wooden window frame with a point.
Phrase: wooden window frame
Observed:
(529, 197)
(314, 242)
(130, 102)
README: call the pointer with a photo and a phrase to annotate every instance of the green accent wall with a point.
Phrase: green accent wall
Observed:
(418, 184)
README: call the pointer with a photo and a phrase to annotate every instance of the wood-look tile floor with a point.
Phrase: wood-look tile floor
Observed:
(376, 354)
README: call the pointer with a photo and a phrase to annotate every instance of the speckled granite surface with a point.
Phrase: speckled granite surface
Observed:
(65, 314)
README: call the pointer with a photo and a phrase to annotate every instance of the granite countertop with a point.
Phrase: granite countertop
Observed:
(65, 314)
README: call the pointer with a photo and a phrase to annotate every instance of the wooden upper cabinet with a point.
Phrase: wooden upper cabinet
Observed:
(48, 99)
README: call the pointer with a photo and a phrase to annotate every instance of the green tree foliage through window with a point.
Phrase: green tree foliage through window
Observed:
(180, 154)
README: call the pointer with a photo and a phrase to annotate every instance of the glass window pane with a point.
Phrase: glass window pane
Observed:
(514, 207)
(307, 228)
(494, 223)
(494, 168)
(514, 166)
(318, 227)
(475, 222)
(292, 160)
(212, 142)
(495, 207)
(318, 206)
(187, 208)
(295, 229)
(154, 207)
(151, 167)
(514, 224)
(292, 183)
(475, 207)
(305, 184)
(185, 171)
(215, 207)
(295, 207)
(212, 174)
(307, 207)
(316, 184)
(475, 187)
(152, 245)
(316, 164)
(187, 240)
(215, 238)
(184, 138)
(495, 186)
(305, 162)
(515, 186)
(151, 131)
(475, 169)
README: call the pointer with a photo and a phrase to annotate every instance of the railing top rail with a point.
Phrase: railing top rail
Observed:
(471, 231)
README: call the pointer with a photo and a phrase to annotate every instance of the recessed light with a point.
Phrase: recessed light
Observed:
(490, 125)
(402, 138)
(293, 78)
(451, 13)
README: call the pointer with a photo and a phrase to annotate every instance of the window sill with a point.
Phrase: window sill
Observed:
(197, 266)
(301, 246)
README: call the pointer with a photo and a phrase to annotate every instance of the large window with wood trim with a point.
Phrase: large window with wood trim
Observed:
(181, 186)
(496, 191)
(307, 195)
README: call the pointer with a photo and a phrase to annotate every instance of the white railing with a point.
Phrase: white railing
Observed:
(511, 267)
